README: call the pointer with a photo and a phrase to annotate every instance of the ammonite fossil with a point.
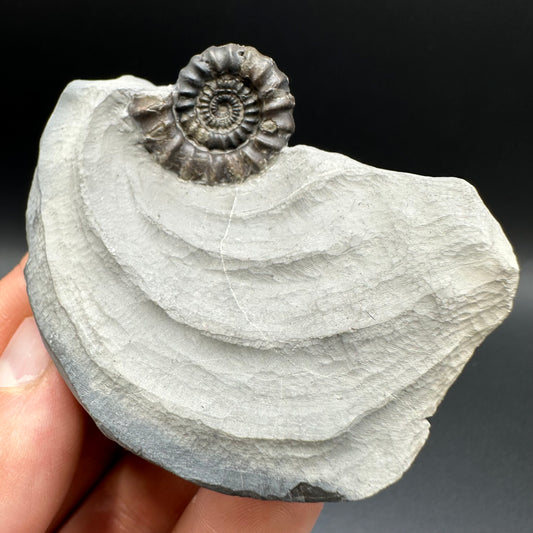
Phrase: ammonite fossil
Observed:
(230, 113)
(282, 337)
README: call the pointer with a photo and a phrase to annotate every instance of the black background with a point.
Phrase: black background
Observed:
(435, 88)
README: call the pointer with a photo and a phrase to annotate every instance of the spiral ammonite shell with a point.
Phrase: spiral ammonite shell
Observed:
(229, 113)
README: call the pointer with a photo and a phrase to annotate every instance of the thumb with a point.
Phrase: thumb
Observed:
(41, 423)
(25, 358)
(14, 304)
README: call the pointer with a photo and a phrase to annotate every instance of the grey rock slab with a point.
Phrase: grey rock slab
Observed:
(282, 338)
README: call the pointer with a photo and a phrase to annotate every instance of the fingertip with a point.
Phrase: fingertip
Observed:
(14, 303)
(25, 358)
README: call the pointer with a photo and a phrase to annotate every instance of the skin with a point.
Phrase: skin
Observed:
(59, 473)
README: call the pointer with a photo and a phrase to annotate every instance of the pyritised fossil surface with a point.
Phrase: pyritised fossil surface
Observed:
(228, 115)
(286, 336)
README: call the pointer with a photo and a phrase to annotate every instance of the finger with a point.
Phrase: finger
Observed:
(135, 497)
(97, 455)
(210, 511)
(41, 423)
(14, 304)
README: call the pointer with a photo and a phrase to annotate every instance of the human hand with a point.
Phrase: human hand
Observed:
(59, 473)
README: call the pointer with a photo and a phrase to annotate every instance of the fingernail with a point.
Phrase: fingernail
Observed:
(25, 357)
